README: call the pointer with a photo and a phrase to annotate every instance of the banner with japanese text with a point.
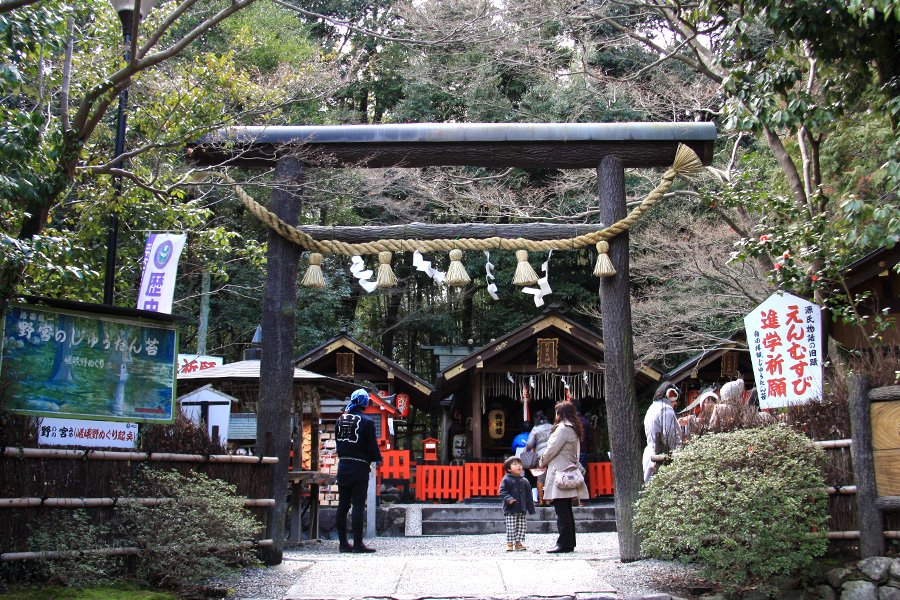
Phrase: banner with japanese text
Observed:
(161, 254)
(90, 434)
(69, 364)
(784, 335)
(191, 363)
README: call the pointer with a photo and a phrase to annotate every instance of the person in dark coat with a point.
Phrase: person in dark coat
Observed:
(357, 449)
(515, 492)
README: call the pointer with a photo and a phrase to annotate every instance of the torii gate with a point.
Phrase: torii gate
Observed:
(608, 147)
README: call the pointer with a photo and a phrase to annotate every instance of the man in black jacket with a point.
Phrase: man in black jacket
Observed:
(357, 449)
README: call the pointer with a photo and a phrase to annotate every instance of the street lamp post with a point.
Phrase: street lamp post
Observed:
(125, 10)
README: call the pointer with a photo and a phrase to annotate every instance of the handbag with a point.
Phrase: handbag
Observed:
(529, 459)
(570, 477)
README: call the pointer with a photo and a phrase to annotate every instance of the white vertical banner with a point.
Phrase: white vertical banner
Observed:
(161, 255)
(784, 334)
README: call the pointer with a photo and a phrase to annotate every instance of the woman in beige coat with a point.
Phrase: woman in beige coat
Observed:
(562, 451)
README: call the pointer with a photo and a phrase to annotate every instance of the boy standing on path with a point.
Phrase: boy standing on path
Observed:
(357, 449)
(515, 491)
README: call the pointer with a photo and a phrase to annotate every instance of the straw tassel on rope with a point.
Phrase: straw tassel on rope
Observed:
(386, 277)
(313, 277)
(604, 266)
(456, 274)
(525, 274)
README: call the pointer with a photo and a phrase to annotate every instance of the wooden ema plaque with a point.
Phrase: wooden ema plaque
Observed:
(886, 446)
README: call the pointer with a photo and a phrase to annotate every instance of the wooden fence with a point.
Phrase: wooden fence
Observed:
(482, 479)
(39, 487)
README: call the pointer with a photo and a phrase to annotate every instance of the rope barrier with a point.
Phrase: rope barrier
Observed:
(686, 162)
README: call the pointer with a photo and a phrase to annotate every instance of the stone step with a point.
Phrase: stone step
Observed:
(498, 526)
(491, 512)
(481, 518)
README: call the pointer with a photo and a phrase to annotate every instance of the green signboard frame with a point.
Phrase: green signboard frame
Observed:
(65, 363)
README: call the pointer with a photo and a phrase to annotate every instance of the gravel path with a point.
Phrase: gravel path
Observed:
(639, 578)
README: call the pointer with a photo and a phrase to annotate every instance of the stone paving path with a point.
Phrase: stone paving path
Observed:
(469, 568)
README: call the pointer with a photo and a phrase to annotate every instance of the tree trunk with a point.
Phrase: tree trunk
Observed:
(273, 433)
(468, 310)
(391, 318)
(871, 521)
(621, 404)
(203, 327)
(347, 308)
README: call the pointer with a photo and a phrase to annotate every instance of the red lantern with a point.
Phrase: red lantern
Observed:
(403, 404)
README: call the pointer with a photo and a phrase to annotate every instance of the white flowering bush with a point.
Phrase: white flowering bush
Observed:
(745, 506)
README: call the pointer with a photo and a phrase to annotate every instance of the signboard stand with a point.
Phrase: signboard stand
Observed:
(78, 360)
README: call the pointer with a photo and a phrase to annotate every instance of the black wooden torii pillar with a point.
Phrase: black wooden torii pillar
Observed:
(608, 147)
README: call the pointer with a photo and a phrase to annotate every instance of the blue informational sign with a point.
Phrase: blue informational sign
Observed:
(68, 364)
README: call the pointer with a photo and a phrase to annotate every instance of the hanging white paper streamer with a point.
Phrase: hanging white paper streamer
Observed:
(543, 282)
(510, 377)
(358, 270)
(425, 266)
(531, 381)
(489, 274)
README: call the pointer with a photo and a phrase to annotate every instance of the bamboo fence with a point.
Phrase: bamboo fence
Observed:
(40, 486)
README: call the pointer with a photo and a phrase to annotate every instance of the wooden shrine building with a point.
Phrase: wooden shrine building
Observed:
(498, 387)
(241, 381)
(710, 369)
(348, 359)
(874, 274)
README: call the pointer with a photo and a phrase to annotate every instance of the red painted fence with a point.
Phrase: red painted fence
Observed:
(438, 482)
(600, 479)
(458, 482)
(395, 465)
(481, 479)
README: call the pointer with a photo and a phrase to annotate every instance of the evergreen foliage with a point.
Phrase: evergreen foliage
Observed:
(748, 506)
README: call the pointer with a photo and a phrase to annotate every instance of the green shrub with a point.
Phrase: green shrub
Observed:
(75, 531)
(198, 536)
(746, 506)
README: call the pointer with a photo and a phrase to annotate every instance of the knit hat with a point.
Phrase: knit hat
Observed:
(732, 392)
(358, 399)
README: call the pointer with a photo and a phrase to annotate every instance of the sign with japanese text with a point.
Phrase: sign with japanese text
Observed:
(784, 334)
(92, 434)
(161, 254)
(67, 364)
(191, 363)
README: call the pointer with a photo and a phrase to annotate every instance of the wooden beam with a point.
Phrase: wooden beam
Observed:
(496, 155)
(871, 521)
(476, 413)
(885, 394)
(273, 425)
(621, 403)
(567, 369)
(422, 231)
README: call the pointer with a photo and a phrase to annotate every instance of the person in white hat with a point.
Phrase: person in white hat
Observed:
(661, 421)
